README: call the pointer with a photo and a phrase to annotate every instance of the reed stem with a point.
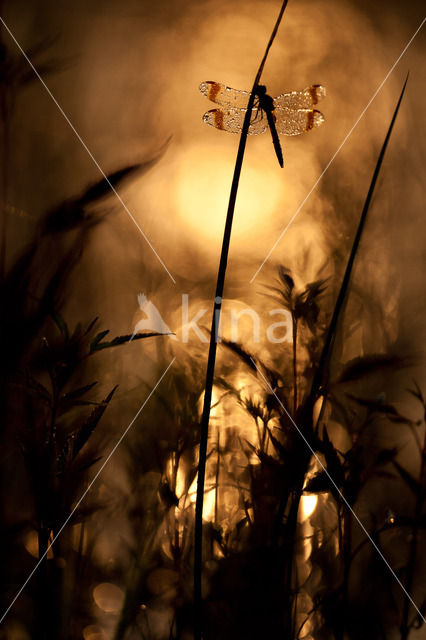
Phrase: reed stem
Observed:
(204, 431)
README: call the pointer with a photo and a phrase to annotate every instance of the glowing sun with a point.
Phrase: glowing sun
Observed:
(202, 190)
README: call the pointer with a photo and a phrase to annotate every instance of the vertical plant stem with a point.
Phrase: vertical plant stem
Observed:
(4, 184)
(5, 106)
(346, 551)
(216, 501)
(42, 611)
(294, 365)
(405, 624)
(204, 431)
(4, 159)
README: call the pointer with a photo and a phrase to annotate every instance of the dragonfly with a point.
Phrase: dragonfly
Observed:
(288, 114)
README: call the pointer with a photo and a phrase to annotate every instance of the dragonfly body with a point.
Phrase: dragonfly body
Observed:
(288, 114)
(266, 105)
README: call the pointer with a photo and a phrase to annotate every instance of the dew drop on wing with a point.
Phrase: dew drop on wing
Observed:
(292, 123)
(204, 88)
(320, 91)
(304, 99)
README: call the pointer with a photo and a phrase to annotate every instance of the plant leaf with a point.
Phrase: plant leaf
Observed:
(76, 441)
(97, 339)
(97, 345)
(71, 396)
(244, 355)
(366, 365)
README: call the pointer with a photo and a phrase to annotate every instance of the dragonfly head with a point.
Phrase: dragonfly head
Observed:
(260, 90)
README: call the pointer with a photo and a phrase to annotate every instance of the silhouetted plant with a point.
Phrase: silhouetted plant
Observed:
(45, 405)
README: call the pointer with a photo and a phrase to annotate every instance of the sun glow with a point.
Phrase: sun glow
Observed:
(202, 192)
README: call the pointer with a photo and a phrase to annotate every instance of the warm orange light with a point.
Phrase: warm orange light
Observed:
(202, 191)
(31, 545)
(108, 597)
(209, 498)
(308, 503)
(93, 632)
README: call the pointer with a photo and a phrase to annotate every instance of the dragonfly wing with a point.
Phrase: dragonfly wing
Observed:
(223, 95)
(305, 99)
(292, 123)
(259, 123)
(231, 120)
